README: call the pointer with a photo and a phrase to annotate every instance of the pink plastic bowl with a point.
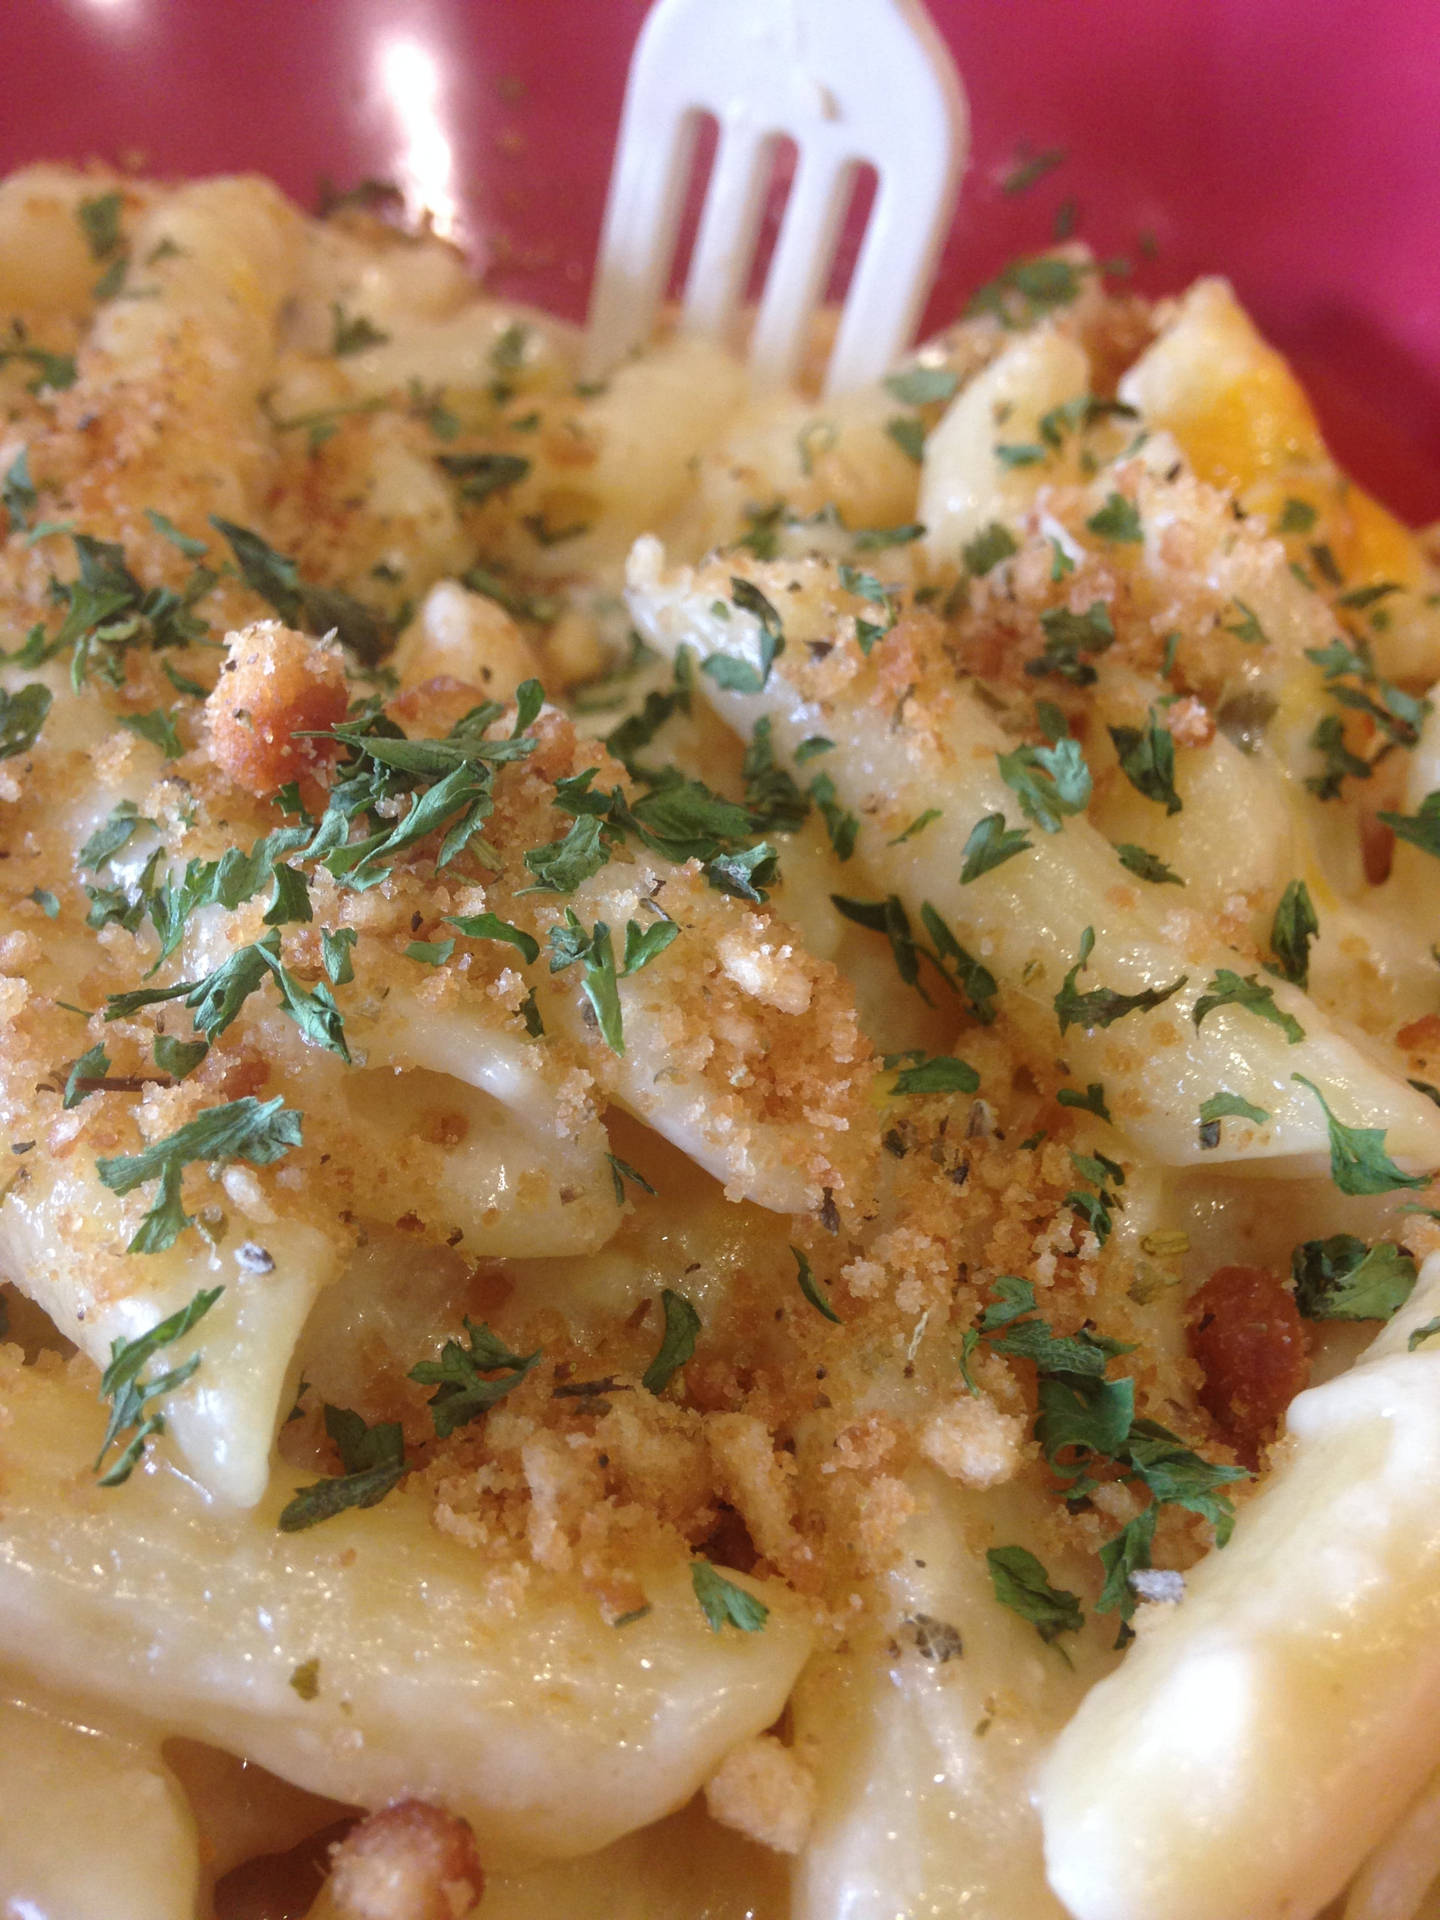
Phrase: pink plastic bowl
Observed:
(1294, 147)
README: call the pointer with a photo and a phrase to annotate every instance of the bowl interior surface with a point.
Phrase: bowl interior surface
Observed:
(1295, 149)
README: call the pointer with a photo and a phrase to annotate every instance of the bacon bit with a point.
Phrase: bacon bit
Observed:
(1377, 849)
(275, 687)
(1421, 1036)
(411, 1861)
(1246, 1332)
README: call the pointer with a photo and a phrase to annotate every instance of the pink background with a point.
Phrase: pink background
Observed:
(1293, 145)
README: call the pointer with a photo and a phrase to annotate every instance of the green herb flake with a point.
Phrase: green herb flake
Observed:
(943, 1074)
(1030, 169)
(158, 728)
(374, 1462)
(1420, 829)
(922, 386)
(352, 333)
(1102, 1006)
(430, 953)
(989, 547)
(100, 223)
(1147, 759)
(1250, 995)
(1022, 1584)
(810, 1288)
(908, 433)
(259, 1132)
(22, 715)
(620, 1172)
(1117, 520)
(1247, 627)
(677, 1345)
(84, 1074)
(990, 844)
(1344, 1279)
(489, 926)
(723, 1603)
(597, 957)
(1296, 516)
(1146, 866)
(916, 826)
(1049, 782)
(130, 1395)
(1291, 931)
(483, 474)
(1091, 1101)
(46, 901)
(462, 1392)
(1359, 1163)
(1068, 637)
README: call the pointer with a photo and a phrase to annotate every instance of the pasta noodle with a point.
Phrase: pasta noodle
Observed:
(703, 1091)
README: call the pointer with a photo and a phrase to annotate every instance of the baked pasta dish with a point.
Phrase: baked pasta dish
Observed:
(719, 1109)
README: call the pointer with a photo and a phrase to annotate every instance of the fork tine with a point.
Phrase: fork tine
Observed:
(642, 222)
(801, 266)
(725, 245)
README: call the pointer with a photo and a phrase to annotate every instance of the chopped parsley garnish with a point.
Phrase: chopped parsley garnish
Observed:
(260, 1132)
(17, 492)
(1146, 866)
(54, 370)
(917, 826)
(1049, 782)
(597, 958)
(725, 1604)
(179, 1058)
(989, 547)
(158, 728)
(1296, 516)
(461, 1393)
(430, 953)
(908, 433)
(22, 715)
(374, 1462)
(809, 748)
(647, 944)
(1026, 290)
(621, 1171)
(974, 981)
(922, 386)
(942, 1074)
(1147, 759)
(1030, 169)
(301, 603)
(1022, 1584)
(1344, 1279)
(1358, 1160)
(130, 1395)
(1117, 520)
(1091, 1101)
(1291, 931)
(352, 333)
(811, 1290)
(1094, 1207)
(100, 223)
(1225, 1105)
(561, 865)
(866, 587)
(217, 998)
(336, 944)
(1069, 636)
(874, 539)
(990, 844)
(483, 474)
(1340, 763)
(1247, 627)
(1250, 995)
(842, 826)
(1102, 1006)
(1421, 829)
(677, 1345)
(739, 676)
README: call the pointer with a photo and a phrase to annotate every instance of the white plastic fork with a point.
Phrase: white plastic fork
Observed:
(851, 82)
